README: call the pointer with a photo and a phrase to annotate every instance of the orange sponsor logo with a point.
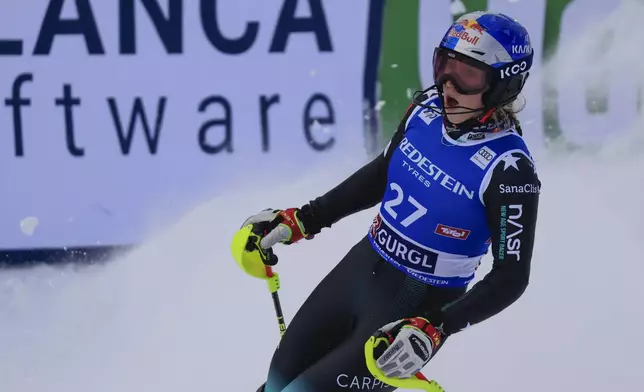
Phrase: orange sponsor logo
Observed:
(467, 30)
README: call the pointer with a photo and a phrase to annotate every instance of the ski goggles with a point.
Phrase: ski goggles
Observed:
(468, 75)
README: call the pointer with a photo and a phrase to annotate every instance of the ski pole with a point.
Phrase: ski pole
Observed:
(255, 261)
(273, 282)
(419, 382)
(252, 259)
(430, 385)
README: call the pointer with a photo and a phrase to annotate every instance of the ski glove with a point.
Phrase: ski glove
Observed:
(402, 348)
(278, 226)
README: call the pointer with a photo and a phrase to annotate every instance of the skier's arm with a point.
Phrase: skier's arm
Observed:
(363, 189)
(511, 201)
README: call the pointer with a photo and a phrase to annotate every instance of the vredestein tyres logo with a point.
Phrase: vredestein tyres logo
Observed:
(399, 73)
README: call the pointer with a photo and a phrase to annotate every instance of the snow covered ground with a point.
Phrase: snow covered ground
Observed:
(174, 314)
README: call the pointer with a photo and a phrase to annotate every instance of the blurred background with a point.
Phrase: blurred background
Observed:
(138, 134)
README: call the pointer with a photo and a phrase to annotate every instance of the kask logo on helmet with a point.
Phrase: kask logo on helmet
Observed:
(521, 49)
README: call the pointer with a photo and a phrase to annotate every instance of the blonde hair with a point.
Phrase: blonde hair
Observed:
(508, 113)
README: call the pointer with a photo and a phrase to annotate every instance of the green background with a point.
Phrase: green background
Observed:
(400, 47)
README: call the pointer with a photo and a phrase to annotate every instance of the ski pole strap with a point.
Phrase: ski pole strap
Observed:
(419, 382)
(273, 281)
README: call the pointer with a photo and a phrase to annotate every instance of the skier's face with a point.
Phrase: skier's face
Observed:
(456, 103)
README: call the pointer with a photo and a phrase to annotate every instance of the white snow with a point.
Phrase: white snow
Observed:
(177, 314)
(28, 225)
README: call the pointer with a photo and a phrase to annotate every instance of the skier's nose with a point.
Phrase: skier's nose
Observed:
(449, 86)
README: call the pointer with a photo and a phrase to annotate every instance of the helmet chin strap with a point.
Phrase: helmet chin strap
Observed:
(477, 123)
(469, 125)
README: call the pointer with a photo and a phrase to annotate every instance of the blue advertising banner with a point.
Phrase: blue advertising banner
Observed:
(121, 115)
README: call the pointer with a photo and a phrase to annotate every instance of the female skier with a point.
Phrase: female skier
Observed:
(455, 178)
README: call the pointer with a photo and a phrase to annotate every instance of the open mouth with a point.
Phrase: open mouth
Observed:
(450, 101)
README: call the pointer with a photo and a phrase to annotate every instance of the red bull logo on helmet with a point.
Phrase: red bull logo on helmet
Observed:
(471, 24)
(468, 30)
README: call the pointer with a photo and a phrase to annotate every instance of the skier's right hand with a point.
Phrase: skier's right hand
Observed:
(278, 226)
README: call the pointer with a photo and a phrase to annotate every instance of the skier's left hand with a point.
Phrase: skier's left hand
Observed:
(402, 348)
